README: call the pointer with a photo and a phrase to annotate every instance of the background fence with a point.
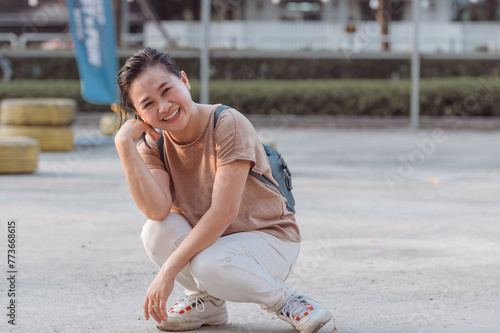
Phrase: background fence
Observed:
(435, 37)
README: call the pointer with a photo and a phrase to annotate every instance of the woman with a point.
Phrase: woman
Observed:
(220, 233)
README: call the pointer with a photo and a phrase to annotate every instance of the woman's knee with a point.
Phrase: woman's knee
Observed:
(210, 265)
(167, 233)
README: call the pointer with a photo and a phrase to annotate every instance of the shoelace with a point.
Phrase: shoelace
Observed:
(297, 307)
(186, 301)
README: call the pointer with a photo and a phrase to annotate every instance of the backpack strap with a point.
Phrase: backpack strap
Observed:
(263, 179)
(218, 112)
(161, 140)
(159, 143)
(251, 172)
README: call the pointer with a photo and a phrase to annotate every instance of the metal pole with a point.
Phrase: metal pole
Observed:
(118, 17)
(205, 51)
(382, 16)
(124, 23)
(415, 70)
(497, 17)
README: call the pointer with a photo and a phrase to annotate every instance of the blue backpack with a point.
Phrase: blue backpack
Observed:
(279, 168)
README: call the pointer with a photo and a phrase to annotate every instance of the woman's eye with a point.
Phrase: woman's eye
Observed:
(165, 91)
(148, 104)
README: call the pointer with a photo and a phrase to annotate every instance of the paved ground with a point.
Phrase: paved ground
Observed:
(401, 234)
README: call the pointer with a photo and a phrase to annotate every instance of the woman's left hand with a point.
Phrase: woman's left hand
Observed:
(157, 295)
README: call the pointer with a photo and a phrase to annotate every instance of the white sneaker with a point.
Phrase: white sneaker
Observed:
(304, 314)
(191, 313)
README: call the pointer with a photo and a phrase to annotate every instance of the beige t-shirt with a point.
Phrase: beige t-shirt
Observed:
(192, 169)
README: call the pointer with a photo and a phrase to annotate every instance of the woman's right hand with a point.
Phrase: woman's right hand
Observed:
(132, 130)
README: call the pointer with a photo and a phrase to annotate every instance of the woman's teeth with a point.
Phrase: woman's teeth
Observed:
(173, 115)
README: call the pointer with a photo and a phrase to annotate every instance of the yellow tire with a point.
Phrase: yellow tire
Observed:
(38, 111)
(110, 123)
(268, 142)
(18, 155)
(58, 138)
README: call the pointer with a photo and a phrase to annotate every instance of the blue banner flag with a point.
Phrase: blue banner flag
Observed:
(93, 33)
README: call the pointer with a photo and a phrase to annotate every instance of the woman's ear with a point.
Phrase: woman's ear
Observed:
(185, 80)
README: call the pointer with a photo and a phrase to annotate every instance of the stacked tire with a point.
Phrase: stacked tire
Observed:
(18, 155)
(47, 120)
(110, 123)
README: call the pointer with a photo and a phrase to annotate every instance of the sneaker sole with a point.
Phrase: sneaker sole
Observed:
(217, 320)
(321, 321)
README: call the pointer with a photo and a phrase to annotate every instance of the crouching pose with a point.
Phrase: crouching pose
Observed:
(221, 233)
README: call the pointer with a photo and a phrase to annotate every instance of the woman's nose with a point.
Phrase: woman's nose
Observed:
(165, 105)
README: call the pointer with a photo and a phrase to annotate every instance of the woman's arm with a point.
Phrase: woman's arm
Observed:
(150, 189)
(228, 188)
(226, 198)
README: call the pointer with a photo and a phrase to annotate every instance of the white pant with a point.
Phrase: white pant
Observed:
(241, 267)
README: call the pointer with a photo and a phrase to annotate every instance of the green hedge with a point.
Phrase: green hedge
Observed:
(439, 97)
(278, 69)
(48, 88)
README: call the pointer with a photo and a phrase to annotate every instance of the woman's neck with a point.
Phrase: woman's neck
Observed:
(196, 123)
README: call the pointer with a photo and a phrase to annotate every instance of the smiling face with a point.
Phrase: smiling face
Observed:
(162, 99)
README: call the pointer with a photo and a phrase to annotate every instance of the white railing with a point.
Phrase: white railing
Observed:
(20, 43)
(435, 37)
(39, 37)
(10, 38)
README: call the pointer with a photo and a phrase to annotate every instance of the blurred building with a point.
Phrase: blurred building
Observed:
(328, 10)
(453, 26)
(450, 26)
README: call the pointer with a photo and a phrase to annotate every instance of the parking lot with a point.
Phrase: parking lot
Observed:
(400, 233)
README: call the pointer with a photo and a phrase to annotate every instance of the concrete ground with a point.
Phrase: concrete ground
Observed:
(401, 234)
